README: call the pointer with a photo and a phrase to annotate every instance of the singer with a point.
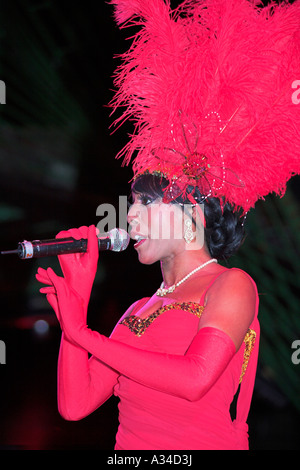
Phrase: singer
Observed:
(175, 359)
(197, 87)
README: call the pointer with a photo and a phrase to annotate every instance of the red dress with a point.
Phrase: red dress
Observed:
(151, 419)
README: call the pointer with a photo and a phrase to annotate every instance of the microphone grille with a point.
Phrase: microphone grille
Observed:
(119, 239)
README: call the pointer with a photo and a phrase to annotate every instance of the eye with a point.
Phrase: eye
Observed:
(145, 200)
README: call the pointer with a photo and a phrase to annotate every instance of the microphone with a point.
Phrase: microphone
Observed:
(116, 240)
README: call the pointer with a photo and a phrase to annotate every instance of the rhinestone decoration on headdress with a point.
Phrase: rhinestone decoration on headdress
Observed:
(191, 168)
(209, 89)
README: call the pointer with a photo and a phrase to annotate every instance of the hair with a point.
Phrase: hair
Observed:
(224, 232)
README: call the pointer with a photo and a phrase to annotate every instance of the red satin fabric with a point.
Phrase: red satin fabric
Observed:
(151, 419)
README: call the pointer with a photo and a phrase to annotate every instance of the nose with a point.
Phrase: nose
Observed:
(134, 219)
(133, 213)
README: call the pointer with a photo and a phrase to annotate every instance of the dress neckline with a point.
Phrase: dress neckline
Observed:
(139, 325)
(169, 306)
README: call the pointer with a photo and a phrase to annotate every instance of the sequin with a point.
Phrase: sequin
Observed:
(139, 325)
(249, 341)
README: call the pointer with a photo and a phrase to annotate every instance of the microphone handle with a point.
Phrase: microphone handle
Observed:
(57, 246)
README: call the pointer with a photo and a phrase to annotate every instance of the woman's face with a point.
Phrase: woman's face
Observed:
(157, 228)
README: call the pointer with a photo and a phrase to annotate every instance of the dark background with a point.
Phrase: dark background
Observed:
(57, 157)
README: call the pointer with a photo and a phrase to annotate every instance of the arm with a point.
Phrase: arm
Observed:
(84, 383)
(189, 376)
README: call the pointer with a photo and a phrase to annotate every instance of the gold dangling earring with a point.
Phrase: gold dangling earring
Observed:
(188, 231)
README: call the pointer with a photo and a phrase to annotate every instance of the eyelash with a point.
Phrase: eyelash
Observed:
(143, 199)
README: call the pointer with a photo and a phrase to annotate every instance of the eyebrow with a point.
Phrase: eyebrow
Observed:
(136, 195)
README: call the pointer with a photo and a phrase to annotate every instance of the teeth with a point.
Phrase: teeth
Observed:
(138, 238)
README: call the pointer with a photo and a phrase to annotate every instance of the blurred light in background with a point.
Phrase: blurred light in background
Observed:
(41, 327)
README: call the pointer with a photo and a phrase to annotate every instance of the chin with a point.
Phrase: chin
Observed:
(148, 261)
(146, 258)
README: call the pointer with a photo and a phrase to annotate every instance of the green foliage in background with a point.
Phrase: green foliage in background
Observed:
(270, 254)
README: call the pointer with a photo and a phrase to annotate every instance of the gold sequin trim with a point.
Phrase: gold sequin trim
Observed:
(249, 341)
(139, 325)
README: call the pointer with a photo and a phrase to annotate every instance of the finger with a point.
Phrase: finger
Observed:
(48, 290)
(63, 234)
(42, 272)
(92, 252)
(93, 244)
(84, 230)
(53, 278)
(78, 233)
(52, 300)
(43, 277)
(58, 282)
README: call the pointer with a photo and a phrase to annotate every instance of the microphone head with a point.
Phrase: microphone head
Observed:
(119, 239)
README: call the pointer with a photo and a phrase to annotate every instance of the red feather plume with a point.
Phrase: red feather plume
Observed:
(209, 87)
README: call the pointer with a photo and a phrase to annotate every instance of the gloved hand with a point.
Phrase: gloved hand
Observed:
(68, 304)
(189, 376)
(79, 269)
(83, 383)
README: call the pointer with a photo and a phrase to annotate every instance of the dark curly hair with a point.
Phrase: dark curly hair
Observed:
(224, 232)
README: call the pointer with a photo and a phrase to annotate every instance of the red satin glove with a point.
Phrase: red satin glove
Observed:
(189, 376)
(69, 306)
(83, 383)
(79, 269)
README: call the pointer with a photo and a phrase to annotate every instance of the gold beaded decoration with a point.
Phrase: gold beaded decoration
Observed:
(249, 341)
(139, 325)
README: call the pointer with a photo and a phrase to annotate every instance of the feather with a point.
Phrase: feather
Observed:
(208, 87)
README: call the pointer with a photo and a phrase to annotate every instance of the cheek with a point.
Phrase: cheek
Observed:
(173, 225)
(178, 227)
(165, 224)
(138, 218)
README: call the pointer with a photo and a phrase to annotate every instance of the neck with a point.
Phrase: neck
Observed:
(177, 267)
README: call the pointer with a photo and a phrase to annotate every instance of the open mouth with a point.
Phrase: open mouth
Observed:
(139, 240)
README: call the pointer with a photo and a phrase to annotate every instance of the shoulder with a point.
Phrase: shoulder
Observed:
(233, 281)
(231, 304)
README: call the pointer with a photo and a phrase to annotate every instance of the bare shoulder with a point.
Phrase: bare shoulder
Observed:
(231, 303)
(233, 282)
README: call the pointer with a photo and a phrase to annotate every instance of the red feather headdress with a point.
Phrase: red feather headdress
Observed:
(209, 87)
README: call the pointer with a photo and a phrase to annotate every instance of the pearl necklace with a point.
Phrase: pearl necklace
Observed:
(167, 290)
